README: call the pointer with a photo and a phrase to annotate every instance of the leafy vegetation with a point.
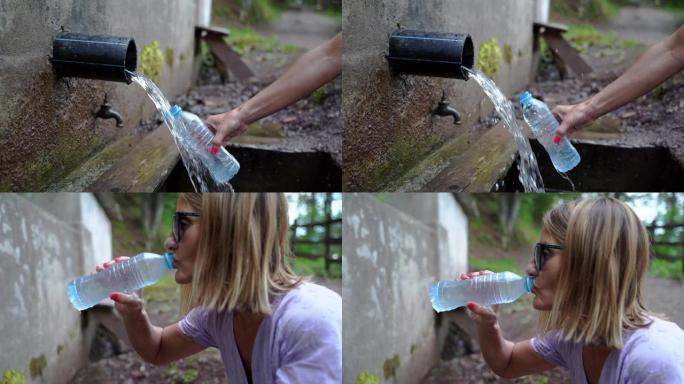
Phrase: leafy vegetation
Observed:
(246, 40)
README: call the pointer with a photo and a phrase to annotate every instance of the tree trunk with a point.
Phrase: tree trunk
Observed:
(153, 205)
(509, 205)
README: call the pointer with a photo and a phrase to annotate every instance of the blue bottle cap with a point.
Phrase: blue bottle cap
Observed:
(168, 258)
(529, 283)
(524, 97)
(174, 112)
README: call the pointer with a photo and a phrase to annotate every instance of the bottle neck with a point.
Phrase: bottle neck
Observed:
(529, 283)
(168, 259)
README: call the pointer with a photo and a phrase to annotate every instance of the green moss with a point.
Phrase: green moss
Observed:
(507, 53)
(37, 365)
(60, 348)
(389, 367)
(489, 58)
(168, 55)
(413, 348)
(12, 377)
(189, 376)
(366, 377)
(245, 40)
(151, 59)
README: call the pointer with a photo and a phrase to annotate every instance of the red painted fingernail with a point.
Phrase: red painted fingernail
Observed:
(114, 296)
(470, 306)
(214, 151)
(556, 140)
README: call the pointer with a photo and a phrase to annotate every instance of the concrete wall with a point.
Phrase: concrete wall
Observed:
(389, 126)
(393, 250)
(47, 127)
(46, 241)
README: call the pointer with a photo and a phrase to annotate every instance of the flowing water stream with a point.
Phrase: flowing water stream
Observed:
(528, 169)
(200, 176)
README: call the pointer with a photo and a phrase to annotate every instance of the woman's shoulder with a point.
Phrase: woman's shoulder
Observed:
(309, 303)
(658, 344)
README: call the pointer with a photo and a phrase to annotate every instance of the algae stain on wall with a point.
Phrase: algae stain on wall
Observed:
(12, 377)
(367, 378)
(489, 58)
(151, 59)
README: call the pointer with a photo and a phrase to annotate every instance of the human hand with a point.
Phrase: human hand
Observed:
(481, 314)
(226, 126)
(573, 117)
(126, 304)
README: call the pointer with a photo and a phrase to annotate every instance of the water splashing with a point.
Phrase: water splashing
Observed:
(527, 165)
(198, 172)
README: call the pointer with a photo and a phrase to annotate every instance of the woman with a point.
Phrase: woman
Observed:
(588, 269)
(230, 256)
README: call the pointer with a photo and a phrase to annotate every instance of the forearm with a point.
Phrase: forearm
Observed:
(496, 350)
(657, 64)
(313, 69)
(145, 338)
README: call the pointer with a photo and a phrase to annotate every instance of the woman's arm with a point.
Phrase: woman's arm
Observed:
(311, 70)
(653, 67)
(154, 344)
(506, 358)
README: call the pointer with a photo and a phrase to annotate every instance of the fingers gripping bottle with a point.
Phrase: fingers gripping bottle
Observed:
(127, 276)
(492, 288)
(543, 125)
(221, 165)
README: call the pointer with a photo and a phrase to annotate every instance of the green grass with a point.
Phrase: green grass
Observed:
(676, 10)
(165, 289)
(583, 36)
(316, 267)
(246, 40)
(494, 265)
(595, 10)
(667, 269)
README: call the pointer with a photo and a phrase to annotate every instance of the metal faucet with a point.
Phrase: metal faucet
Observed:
(106, 112)
(444, 109)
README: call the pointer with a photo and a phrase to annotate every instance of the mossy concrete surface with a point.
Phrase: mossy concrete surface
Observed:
(390, 131)
(47, 124)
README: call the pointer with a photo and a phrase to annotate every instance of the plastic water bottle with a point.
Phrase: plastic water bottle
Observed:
(127, 276)
(544, 125)
(222, 166)
(492, 288)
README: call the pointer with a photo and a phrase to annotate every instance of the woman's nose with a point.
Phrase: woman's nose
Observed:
(170, 244)
(530, 269)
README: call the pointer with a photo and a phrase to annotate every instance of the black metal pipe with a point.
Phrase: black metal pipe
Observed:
(94, 57)
(431, 53)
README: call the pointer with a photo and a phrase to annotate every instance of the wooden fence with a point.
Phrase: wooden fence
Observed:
(327, 241)
(676, 244)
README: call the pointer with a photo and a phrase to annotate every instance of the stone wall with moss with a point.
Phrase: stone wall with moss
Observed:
(47, 124)
(46, 240)
(390, 131)
(395, 246)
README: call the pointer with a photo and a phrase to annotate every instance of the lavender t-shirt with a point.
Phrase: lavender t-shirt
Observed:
(649, 355)
(301, 342)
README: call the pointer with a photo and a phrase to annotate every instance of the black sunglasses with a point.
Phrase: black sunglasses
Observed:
(176, 227)
(539, 253)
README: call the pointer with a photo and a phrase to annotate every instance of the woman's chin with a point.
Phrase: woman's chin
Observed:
(181, 278)
(539, 304)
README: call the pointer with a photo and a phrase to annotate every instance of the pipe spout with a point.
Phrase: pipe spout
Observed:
(431, 53)
(94, 57)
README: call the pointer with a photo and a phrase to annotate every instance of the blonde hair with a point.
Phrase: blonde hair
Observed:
(606, 253)
(242, 253)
